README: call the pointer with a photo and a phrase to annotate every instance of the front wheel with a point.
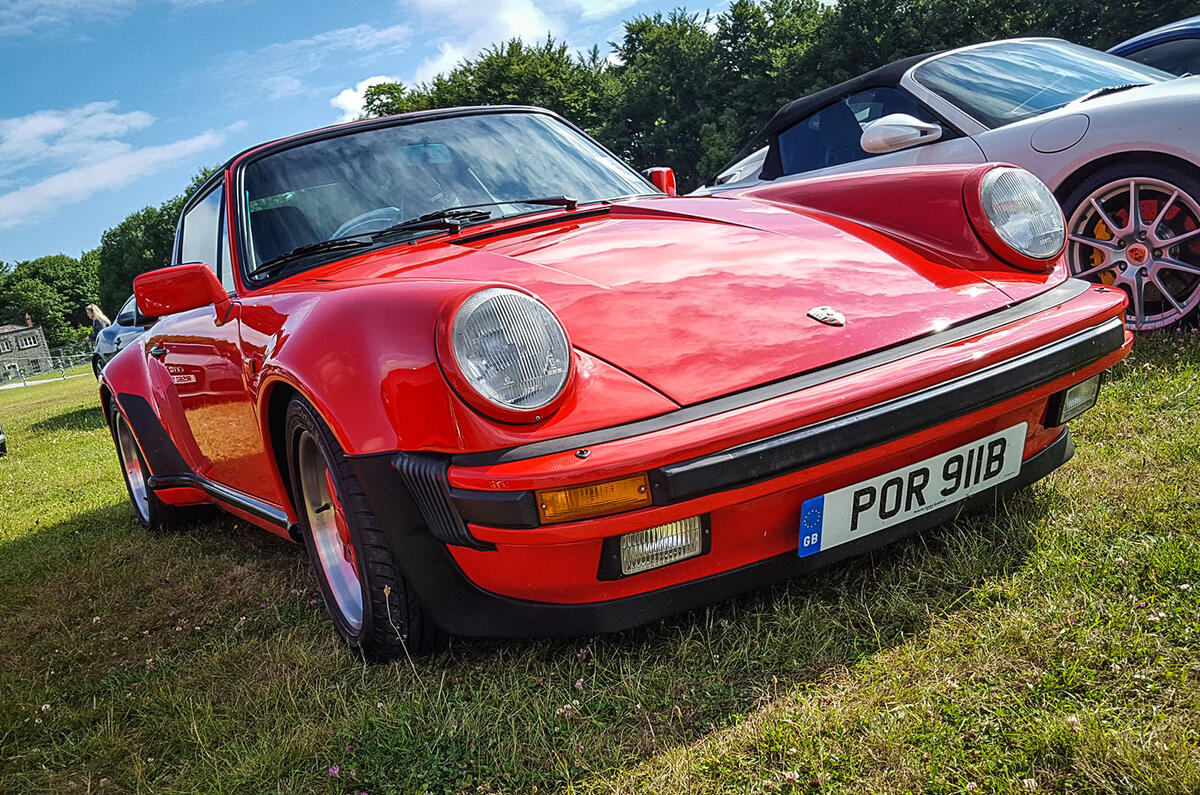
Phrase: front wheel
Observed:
(372, 607)
(153, 513)
(1136, 227)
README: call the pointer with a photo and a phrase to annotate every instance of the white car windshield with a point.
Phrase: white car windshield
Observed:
(1008, 81)
(360, 185)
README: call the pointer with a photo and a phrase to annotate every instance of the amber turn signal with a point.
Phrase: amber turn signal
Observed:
(594, 499)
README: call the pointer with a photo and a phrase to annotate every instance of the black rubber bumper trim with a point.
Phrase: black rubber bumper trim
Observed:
(861, 430)
(460, 607)
(1072, 288)
(243, 502)
(425, 476)
(814, 444)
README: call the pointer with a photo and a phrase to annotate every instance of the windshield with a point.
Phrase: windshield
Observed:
(362, 183)
(1000, 83)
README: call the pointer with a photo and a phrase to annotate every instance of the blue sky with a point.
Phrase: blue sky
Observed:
(110, 105)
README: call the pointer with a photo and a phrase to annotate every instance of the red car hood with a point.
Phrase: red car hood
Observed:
(702, 297)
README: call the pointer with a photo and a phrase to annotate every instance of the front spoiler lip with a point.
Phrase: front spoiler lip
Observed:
(462, 608)
(812, 445)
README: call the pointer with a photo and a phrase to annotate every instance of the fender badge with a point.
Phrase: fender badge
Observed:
(827, 315)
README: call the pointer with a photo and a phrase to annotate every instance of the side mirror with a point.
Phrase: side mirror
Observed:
(178, 289)
(663, 179)
(898, 131)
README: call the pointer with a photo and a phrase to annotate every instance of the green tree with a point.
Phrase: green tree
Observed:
(141, 242)
(53, 290)
(546, 74)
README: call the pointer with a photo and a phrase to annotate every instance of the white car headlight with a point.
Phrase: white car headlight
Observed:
(511, 349)
(1023, 212)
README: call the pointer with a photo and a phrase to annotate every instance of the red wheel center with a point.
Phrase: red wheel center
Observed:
(1137, 254)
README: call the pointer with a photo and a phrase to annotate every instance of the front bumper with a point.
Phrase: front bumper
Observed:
(465, 528)
(462, 608)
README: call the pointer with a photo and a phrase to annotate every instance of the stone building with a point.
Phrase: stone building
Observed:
(23, 349)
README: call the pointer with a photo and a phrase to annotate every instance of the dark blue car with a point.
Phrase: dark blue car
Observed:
(1174, 48)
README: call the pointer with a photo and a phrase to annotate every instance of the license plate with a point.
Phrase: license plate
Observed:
(872, 505)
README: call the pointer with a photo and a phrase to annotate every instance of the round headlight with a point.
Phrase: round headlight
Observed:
(511, 349)
(1023, 212)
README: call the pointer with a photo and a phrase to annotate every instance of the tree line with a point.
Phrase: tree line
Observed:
(681, 89)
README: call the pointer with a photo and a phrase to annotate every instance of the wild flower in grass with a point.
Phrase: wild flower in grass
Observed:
(95, 619)
(171, 614)
(791, 777)
(1073, 722)
(1185, 587)
(45, 707)
(333, 770)
(579, 684)
(972, 786)
(1029, 783)
(295, 592)
(312, 602)
(567, 711)
(262, 606)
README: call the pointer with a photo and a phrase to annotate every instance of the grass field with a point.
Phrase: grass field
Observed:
(1051, 645)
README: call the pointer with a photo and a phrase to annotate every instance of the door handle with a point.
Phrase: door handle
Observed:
(158, 351)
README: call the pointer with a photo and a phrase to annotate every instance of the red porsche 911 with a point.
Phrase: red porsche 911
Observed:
(500, 384)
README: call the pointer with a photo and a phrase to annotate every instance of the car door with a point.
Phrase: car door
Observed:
(829, 140)
(196, 362)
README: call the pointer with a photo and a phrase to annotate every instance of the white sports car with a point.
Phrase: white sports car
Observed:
(1117, 141)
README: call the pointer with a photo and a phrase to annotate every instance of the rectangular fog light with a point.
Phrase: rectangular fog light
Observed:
(1071, 402)
(659, 546)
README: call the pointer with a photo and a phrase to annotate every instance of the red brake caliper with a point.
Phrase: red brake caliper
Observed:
(339, 516)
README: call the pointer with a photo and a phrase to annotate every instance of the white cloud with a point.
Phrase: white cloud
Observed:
(24, 17)
(85, 145)
(467, 26)
(596, 9)
(350, 100)
(475, 25)
(75, 135)
(278, 68)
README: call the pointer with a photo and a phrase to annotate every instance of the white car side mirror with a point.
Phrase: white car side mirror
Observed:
(897, 131)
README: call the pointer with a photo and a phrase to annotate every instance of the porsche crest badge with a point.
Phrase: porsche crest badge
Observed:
(827, 315)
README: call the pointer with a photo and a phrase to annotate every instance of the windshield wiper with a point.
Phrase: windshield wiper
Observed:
(452, 218)
(303, 251)
(1099, 92)
(551, 201)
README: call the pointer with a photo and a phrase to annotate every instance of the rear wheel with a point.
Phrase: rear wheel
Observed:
(1136, 227)
(153, 513)
(372, 607)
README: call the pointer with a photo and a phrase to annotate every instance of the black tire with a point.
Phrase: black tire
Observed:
(1155, 180)
(393, 624)
(153, 513)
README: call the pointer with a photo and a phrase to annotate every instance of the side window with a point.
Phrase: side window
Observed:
(830, 137)
(225, 270)
(200, 223)
(1178, 57)
(127, 316)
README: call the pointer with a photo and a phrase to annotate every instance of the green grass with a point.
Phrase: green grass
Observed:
(1050, 645)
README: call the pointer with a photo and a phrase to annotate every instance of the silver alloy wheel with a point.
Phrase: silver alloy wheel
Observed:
(1141, 235)
(332, 542)
(135, 476)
